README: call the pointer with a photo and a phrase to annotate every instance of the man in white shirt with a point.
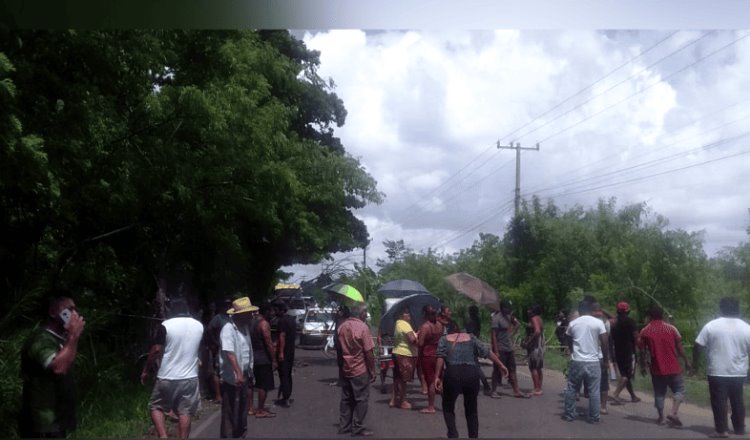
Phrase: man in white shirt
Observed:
(236, 366)
(176, 388)
(726, 342)
(588, 339)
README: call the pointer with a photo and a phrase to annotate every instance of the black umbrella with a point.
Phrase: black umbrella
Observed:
(415, 303)
(401, 288)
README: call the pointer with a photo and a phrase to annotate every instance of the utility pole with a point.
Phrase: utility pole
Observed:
(518, 149)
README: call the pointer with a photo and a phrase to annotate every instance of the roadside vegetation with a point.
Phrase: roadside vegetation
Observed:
(126, 156)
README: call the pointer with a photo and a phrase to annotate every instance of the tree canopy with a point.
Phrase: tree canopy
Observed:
(126, 154)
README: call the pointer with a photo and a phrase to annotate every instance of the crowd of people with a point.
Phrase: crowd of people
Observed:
(236, 354)
(594, 337)
(242, 358)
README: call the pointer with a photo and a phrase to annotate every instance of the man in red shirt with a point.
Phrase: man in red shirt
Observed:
(358, 371)
(664, 344)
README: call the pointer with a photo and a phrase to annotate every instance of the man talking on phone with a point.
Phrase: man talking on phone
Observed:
(48, 408)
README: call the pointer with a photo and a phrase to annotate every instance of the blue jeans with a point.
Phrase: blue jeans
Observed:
(588, 373)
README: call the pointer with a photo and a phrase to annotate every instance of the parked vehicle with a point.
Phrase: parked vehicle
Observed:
(317, 326)
(291, 294)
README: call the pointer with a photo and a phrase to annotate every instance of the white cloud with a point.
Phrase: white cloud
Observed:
(612, 110)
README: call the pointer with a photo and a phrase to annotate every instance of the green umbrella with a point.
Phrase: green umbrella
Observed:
(344, 290)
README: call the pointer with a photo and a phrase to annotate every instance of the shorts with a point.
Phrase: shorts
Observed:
(660, 383)
(509, 359)
(403, 367)
(181, 396)
(625, 365)
(428, 365)
(263, 377)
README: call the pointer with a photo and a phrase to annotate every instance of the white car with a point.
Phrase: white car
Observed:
(317, 326)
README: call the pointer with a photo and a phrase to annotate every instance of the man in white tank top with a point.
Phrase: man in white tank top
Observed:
(177, 387)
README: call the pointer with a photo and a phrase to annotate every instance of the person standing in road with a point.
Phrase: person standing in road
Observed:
(458, 354)
(48, 406)
(662, 342)
(624, 339)
(535, 347)
(429, 334)
(358, 372)
(287, 328)
(236, 368)
(177, 386)
(213, 338)
(445, 317)
(588, 338)
(726, 342)
(264, 360)
(473, 325)
(404, 359)
(597, 312)
(504, 324)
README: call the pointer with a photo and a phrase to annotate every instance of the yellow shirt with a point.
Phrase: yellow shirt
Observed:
(401, 345)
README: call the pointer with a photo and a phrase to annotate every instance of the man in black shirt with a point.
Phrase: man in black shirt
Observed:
(287, 328)
(624, 338)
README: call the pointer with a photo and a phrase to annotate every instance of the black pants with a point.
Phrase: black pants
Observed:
(355, 395)
(461, 379)
(285, 379)
(233, 410)
(721, 389)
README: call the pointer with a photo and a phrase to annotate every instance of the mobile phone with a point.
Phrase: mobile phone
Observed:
(65, 315)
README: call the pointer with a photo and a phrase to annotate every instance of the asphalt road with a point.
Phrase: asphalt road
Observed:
(314, 413)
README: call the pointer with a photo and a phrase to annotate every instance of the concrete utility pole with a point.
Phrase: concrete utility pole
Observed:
(518, 149)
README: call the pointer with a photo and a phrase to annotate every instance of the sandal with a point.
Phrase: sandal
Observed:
(405, 405)
(522, 396)
(674, 420)
(427, 411)
(265, 415)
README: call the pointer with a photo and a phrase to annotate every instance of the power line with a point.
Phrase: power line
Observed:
(653, 151)
(699, 60)
(647, 164)
(662, 173)
(446, 181)
(611, 72)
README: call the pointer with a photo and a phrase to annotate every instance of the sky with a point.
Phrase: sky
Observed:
(661, 117)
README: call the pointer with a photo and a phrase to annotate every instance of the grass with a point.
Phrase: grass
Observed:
(122, 412)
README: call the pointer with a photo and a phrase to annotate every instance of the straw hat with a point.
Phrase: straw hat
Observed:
(242, 305)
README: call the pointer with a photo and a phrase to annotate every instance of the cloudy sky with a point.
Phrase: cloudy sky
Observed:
(661, 117)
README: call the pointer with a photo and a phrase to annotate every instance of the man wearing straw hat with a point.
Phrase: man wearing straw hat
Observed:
(236, 366)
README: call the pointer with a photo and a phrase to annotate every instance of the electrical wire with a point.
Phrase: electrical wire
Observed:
(661, 80)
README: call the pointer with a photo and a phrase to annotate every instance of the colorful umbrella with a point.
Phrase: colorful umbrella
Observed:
(344, 290)
(474, 288)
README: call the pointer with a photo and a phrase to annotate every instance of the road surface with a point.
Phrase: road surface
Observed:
(314, 413)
